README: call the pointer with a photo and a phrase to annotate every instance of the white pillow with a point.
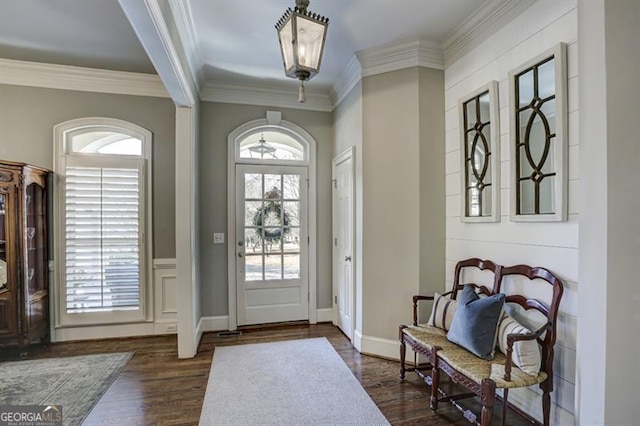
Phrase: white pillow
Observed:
(526, 354)
(442, 312)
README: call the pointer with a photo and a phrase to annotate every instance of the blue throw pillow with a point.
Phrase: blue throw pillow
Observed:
(475, 323)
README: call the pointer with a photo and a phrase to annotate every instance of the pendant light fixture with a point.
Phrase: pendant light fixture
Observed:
(262, 147)
(302, 35)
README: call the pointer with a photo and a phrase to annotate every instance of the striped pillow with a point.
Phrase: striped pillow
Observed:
(526, 354)
(442, 312)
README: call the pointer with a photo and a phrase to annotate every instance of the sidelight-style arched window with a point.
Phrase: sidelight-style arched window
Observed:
(103, 223)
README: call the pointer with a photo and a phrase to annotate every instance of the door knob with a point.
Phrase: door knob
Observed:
(240, 254)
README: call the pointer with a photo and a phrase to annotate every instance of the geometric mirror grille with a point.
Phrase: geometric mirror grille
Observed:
(480, 155)
(477, 156)
(535, 120)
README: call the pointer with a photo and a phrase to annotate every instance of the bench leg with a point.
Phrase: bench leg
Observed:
(546, 407)
(403, 353)
(435, 379)
(505, 405)
(488, 399)
(435, 385)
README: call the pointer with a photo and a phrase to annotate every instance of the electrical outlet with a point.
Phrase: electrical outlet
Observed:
(218, 238)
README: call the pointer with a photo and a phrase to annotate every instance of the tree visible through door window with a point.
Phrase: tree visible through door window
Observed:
(272, 226)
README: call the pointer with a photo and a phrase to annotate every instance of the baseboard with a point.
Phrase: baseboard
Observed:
(165, 327)
(324, 315)
(217, 323)
(66, 334)
(221, 322)
(385, 348)
(357, 340)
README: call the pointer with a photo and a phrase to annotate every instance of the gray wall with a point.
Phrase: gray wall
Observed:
(27, 117)
(403, 211)
(431, 119)
(217, 120)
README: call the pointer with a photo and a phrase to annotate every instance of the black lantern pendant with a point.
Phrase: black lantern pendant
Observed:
(302, 35)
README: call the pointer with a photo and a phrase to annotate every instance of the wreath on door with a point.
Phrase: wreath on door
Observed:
(271, 213)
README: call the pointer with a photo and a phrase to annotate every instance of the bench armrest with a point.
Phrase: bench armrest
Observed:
(416, 299)
(515, 337)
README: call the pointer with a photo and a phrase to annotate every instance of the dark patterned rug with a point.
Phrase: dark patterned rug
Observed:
(76, 383)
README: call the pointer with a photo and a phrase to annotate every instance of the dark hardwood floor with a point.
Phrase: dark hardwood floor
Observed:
(156, 388)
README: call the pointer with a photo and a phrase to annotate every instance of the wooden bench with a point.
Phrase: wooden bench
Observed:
(483, 377)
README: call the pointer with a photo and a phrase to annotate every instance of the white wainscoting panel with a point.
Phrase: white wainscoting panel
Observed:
(165, 296)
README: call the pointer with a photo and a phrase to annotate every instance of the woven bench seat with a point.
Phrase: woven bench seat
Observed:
(469, 365)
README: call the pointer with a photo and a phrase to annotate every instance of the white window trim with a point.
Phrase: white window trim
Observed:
(271, 123)
(60, 131)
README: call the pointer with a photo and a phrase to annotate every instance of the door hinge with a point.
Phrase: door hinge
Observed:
(308, 240)
(335, 241)
(335, 299)
(335, 183)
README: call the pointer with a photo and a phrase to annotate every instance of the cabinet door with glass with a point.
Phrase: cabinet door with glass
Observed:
(24, 280)
(8, 255)
(35, 271)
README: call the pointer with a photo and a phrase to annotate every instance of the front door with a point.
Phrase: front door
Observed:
(272, 283)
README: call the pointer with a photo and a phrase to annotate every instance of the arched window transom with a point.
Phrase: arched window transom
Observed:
(271, 144)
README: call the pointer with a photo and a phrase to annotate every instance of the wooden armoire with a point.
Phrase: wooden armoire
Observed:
(24, 272)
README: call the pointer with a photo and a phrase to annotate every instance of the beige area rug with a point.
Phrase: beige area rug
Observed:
(76, 383)
(298, 382)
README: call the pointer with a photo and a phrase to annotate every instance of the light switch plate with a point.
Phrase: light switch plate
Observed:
(218, 238)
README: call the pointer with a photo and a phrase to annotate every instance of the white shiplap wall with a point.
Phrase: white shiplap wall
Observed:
(552, 245)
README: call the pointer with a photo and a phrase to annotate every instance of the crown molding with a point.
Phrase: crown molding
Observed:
(404, 54)
(263, 96)
(350, 76)
(486, 20)
(65, 77)
(183, 18)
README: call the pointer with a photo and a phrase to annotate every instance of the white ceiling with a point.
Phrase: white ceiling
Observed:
(85, 33)
(236, 41)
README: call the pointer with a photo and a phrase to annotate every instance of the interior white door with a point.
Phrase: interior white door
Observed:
(343, 222)
(272, 260)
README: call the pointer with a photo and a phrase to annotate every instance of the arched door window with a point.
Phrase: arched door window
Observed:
(269, 144)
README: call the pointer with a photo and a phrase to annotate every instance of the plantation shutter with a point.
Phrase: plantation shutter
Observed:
(102, 238)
